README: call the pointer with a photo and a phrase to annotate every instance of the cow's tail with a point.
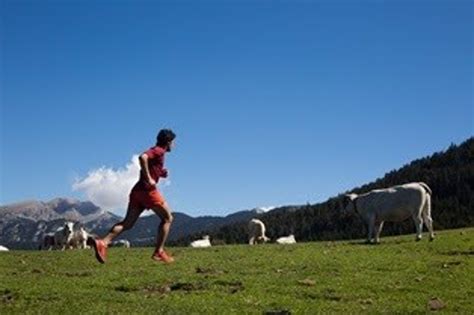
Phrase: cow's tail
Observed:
(426, 187)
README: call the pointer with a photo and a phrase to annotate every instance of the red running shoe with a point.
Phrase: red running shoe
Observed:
(163, 257)
(100, 249)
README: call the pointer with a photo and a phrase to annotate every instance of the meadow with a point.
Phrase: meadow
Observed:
(399, 276)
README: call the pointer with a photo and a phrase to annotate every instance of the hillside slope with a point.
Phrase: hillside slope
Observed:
(450, 174)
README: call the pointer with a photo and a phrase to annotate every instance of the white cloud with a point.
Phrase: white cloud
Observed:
(109, 188)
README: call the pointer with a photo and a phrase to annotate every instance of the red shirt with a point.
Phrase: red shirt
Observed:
(156, 160)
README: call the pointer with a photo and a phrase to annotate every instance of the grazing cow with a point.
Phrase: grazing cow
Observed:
(3, 249)
(205, 242)
(79, 239)
(290, 239)
(257, 232)
(393, 204)
(48, 242)
(121, 243)
(63, 236)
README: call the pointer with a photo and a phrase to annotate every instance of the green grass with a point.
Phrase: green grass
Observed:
(398, 276)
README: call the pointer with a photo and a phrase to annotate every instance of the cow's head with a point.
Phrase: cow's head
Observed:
(347, 202)
(68, 228)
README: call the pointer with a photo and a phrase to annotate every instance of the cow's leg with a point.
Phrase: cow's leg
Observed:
(378, 230)
(370, 228)
(427, 216)
(252, 240)
(419, 225)
(429, 225)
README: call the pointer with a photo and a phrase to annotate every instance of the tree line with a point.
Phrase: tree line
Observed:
(450, 175)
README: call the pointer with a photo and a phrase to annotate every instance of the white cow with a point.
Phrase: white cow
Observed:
(63, 236)
(3, 249)
(121, 243)
(79, 239)
(257, 232)
(204, 242)
(290, 239)
(393, 204)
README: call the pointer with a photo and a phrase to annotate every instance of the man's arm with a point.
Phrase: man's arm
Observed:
(144, 165)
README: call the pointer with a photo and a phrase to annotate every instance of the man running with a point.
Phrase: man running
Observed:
(145, 195)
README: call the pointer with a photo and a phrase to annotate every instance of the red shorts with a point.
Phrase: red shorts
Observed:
(145, 199)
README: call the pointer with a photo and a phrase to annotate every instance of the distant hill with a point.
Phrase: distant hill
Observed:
(23, 224)
(450, 174)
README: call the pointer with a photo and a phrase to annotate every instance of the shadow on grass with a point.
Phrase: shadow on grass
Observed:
(459, 253)
(382, 242)
(362, 243)
(229, 286)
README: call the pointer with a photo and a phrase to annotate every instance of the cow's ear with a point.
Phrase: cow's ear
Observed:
(351, 196)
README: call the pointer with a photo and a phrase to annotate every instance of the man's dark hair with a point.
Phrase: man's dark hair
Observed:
(164, 137)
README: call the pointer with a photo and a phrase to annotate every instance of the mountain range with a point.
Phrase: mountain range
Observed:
(23, 224)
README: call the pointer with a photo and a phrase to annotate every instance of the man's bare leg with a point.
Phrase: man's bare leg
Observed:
(164, 212)
(100, 245)
(127, 223)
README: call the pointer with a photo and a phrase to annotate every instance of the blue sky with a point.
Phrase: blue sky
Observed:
(273, 102)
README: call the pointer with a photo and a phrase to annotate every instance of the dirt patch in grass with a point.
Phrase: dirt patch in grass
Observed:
(436, 304)
(330, 294)
(307, 282)
(78, 274)
(163, 289)
(150, 289)
(209, 271)
(123, 288)
(8, 297)
(367, 301)
(451, 264)
(330, 297)
(232, 286)
(187, 286)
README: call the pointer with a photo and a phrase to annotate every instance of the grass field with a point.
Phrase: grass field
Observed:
(399, 276)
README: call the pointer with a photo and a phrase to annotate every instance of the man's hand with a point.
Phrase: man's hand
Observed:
(164, 173)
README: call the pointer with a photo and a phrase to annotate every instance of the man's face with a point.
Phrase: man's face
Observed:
(170, 146)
